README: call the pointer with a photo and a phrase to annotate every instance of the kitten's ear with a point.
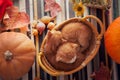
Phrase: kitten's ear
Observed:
(49, 34)
(58, 58)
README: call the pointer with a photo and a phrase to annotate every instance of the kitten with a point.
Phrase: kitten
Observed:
(67, 52)
(54, 39)
(77, 33)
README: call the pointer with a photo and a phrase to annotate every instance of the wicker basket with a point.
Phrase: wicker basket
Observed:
(94, 47)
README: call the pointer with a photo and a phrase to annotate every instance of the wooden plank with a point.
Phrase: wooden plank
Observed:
(22, 5)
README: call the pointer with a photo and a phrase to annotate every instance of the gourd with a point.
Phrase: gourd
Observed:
(112, 40)
(17, 53)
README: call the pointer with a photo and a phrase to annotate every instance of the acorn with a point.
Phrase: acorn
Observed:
(46, 19)
(50, 25)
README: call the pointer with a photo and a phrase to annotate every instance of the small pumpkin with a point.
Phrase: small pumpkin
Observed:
(17, 53)
(112, 40)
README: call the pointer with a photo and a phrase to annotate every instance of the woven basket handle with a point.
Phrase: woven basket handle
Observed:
(100, 23)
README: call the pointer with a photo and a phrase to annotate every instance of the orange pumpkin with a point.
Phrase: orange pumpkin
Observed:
(17, 53)
(112, 40)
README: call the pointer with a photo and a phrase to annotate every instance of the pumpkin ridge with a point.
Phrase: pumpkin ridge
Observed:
(14, 71)
(19, 71)
(27, 49)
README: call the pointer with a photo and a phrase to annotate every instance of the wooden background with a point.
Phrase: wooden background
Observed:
(105, 15)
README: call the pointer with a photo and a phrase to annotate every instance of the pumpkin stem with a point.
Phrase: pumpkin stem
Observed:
(8, 55)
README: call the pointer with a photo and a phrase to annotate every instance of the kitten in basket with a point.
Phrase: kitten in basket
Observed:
(77, 33)
(67, 52)
(67, 46)
(54, 39)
